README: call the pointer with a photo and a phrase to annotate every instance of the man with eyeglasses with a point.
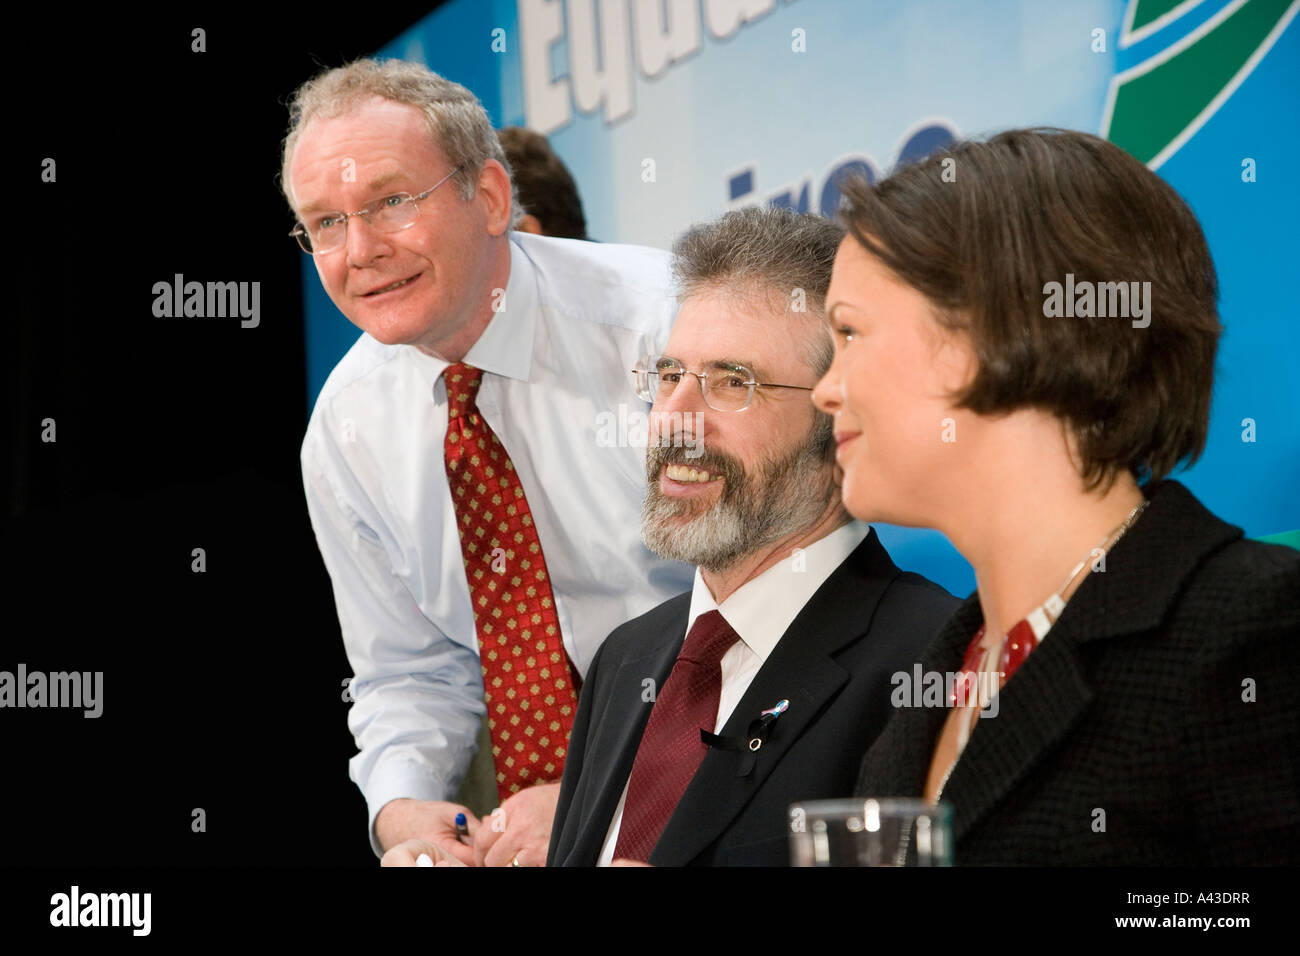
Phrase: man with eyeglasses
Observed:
(480, 539)
(703, 719)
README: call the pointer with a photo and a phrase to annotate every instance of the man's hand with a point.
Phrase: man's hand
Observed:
(519, 830)
(409, 852)
(402, 821)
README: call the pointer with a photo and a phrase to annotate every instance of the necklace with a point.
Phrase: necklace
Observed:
(1018, 642)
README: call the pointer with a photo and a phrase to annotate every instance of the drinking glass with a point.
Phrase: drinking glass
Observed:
(870, 831)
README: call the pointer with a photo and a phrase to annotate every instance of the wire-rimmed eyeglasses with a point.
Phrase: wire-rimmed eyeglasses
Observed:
(726, 386)
(327, 231)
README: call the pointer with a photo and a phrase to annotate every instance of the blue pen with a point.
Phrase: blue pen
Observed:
(462, 831)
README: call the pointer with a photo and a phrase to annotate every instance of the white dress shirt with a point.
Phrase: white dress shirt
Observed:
(576, 317)
(760, 611)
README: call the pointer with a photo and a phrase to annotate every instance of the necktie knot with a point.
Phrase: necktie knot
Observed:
(709, 640)
(463, 383)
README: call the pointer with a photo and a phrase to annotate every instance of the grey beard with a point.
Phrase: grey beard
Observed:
(756, 509)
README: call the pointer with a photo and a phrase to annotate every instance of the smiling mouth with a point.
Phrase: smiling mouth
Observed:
(389, 288)
(689, 475)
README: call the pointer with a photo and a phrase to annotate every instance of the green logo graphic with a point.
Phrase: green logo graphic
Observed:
(1156, 106)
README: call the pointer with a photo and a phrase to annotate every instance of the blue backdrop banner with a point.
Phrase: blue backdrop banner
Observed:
(672, 111)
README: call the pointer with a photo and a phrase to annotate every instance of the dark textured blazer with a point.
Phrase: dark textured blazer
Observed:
(834, 664)
(1133, 707)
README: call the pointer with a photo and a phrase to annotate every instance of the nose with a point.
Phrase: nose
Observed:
(681, 411)
(828, 394)
(365, 244)
(687, 396)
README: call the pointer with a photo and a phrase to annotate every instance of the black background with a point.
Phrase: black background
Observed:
(222, 690)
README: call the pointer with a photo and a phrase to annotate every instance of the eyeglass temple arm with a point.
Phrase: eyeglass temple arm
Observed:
(699, 375)
(435, 185)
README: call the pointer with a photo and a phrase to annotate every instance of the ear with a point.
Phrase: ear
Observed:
(955, 361)
(494, 193)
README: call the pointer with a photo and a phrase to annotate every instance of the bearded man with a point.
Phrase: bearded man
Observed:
(703, 719)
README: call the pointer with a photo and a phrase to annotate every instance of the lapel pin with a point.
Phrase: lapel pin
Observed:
(772, 713)
(765, 719)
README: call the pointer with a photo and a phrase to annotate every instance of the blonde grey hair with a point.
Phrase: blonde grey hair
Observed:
(765, 250)
(458, 124)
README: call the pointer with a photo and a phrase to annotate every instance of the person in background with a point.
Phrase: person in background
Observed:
(552, 206)
(1143, 653)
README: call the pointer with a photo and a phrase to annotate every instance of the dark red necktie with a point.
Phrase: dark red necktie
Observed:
(527, 679)
(671, 749)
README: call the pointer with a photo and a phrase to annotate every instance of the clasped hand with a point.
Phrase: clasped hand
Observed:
(517, 833)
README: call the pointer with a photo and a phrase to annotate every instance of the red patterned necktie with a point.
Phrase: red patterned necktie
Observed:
(671, 749)
(527, 679)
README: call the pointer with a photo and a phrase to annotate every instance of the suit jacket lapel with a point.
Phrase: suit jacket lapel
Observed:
(799, 669)
(897, 763)
(1034, 713)
(1050, 691)
(1143, 574)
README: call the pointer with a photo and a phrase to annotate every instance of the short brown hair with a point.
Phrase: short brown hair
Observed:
(981, 228)
(764, 248)
(458, 124)
(546, 189)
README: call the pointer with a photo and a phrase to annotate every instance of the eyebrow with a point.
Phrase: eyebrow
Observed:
(310, 208)
(383, 179)
(374, 185)
(724, 363)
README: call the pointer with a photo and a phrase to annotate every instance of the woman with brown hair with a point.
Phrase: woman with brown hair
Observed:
(1025, 339)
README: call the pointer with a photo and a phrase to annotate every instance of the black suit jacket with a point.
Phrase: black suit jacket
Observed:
(1130, 715)
(834, 663)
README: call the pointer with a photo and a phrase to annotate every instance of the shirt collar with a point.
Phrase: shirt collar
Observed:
(763, 608)
(505, 346)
